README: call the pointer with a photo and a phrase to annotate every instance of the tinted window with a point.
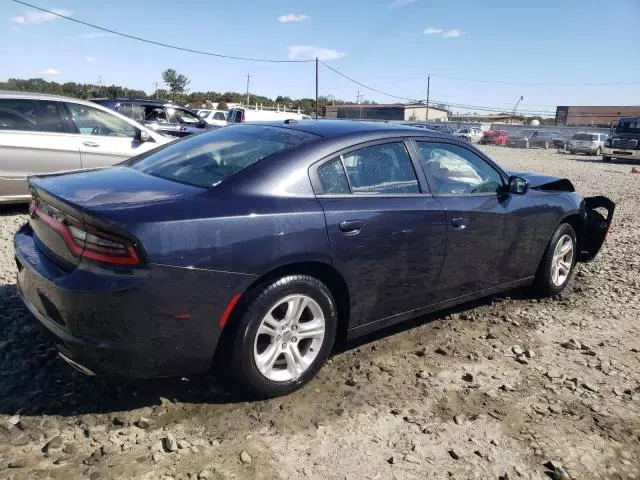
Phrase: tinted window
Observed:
(124, 109)
(91, 121)
(180, 115)
(137, 113)
(31, 115)
(453, 170)
(333, 178)
(628, 127)
(155, 114)
(219, 116)
(206, 160)
(381, 169)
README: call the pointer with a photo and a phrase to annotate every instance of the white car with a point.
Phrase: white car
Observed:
(247, 114)
(473, 134)
(42, 133)
(213, 117)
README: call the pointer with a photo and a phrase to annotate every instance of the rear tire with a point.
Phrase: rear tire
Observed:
(284, 337)
(558, 262)
(606, 159)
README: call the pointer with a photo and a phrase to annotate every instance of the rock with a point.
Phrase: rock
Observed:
(410, 458)
(391, 460)
(422, 374)
(182, 444)
(590, 386)
(454, 454)
(522, 359)
(144, 423)
(157, 457)
(571, 344)
(529, 353)
(459, 419)
(507, 387)
(205, 475)
(14, 420)
(20, 440)
(169, 443)
(120, 421)
(467, 377)
(555, 409)
(490, 336)
(517, 350)
(504, 476)
(19, 463)
(618, 392)
(422, 352)
(351, 382)
(70, 448)
(441, 351)
(53, 444)
(245, 457)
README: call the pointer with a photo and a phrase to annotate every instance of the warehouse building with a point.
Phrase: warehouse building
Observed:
(394, 112)
(596, 116)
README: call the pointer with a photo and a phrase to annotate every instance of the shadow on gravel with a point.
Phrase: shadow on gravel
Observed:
(14, 209)
(615, 161)
(35, 381)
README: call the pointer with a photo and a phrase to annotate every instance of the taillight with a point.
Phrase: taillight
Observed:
(86, 241)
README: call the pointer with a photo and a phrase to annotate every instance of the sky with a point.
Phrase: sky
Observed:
(478, 53)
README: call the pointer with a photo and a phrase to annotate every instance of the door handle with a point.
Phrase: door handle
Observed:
(90, 144)
(459, 223)
(351, 226)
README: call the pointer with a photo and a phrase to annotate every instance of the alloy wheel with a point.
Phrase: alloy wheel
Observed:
(562, 261)
(289, 338)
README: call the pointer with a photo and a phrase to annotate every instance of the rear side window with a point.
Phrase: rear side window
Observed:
(208, 159)
(333, 179)
(31, 115)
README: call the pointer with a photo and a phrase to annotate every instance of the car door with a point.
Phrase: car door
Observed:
(387, 236)
(34, 139)
(489, 232)
(105, 139)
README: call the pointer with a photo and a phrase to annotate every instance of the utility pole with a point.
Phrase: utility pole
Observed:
(316, 88)
(156, 90)
(248, 77)
(428, 85)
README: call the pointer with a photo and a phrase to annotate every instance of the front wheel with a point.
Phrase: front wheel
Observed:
(558, 262)
(284, 337)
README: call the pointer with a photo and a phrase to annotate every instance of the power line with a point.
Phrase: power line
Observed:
(153, 42)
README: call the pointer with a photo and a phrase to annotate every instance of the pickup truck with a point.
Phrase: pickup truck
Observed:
(624, 142)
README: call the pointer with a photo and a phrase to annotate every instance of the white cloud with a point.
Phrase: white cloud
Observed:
(32, 18)
(90, 59)
(292, 17)
(95, 35)
(452, 33)
(50, 71)
(308, 52)
(433, 31)
(401, 3)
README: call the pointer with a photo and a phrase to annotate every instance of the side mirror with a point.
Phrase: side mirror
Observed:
(144, 136)
(518, 185)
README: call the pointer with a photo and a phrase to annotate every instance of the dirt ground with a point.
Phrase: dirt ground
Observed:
(440, 397)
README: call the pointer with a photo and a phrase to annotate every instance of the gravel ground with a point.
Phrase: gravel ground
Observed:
(441, 397)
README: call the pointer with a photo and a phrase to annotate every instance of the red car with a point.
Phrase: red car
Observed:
(494, 137)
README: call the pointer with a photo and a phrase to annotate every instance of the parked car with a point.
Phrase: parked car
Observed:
(47, 133)
(543, 139)
(589, 143)
(520, 139)
(264, 243)
(494, 137)
(624, 141)
(472, 134)
(246, 114)
(214, 117)
(159, 115)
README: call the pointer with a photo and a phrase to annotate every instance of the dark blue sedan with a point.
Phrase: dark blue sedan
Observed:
(259, 245)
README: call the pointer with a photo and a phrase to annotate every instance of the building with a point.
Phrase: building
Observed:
(394, 112)
(598, 116)
(490, 118)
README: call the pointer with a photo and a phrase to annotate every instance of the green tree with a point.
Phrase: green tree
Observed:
(176, 82)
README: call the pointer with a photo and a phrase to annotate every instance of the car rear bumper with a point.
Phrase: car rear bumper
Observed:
(162, 322)
(583, 149)
(621, 153)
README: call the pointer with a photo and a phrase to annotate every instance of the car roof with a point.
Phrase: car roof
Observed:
(149, 101)
(36, 96)
(341, 128)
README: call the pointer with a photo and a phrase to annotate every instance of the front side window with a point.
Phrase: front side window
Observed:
(219, 116)
(381, 170)
(180, 115)
(30, 115)
(208, 159)
(124, 109)
(155, 114)
(91, 121)
(454, 170)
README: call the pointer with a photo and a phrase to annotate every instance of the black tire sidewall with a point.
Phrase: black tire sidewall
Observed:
(246, 374)
(544, 284)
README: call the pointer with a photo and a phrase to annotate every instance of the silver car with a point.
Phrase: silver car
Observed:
(589, 143)
(46, 133)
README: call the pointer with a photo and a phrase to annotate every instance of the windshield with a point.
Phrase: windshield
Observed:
(629, 127)
(207, 159)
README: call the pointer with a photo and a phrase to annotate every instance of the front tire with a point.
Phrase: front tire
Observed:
(558, 262)
(284, 337)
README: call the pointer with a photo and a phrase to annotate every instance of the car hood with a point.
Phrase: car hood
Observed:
(545, 182)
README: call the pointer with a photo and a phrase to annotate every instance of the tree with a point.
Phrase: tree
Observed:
(177, 82)
(222, 105)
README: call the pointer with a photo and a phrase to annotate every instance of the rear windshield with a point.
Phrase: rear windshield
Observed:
(584, 136)
(207, 159)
